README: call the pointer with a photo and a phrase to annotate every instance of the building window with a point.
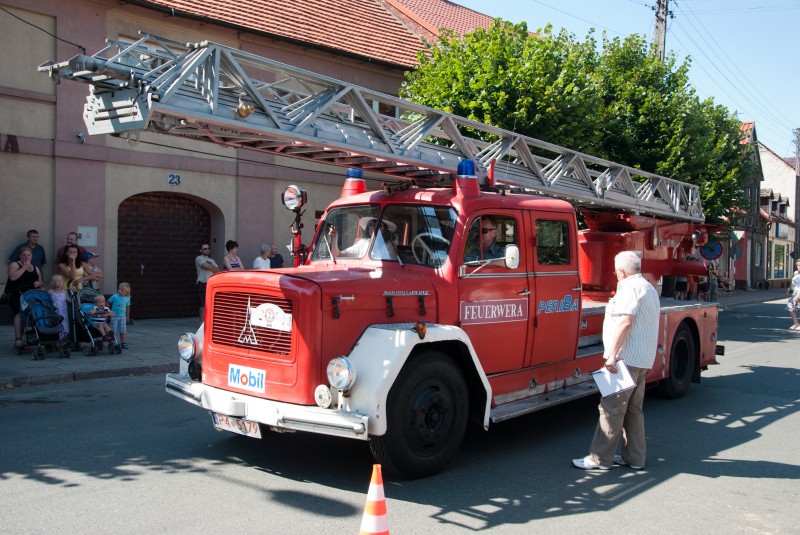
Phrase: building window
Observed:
(759, 252)
(778, 264)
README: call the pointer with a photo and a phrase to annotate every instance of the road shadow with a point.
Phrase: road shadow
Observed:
(757, 323)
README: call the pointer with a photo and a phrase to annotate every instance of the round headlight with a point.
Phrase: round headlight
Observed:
(341, 373)
(293, 197)
(186, 346)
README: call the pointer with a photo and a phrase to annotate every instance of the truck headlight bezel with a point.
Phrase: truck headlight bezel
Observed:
(341, 373)
(187, 346)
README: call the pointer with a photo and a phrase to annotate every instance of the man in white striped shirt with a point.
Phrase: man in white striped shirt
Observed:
(630, 333)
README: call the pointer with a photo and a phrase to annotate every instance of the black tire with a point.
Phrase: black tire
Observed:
(682, 358)
(426, 417)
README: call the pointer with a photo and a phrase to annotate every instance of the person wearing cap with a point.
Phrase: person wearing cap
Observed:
(262, 261)
(92, 275)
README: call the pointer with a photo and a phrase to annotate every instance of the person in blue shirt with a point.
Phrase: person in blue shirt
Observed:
(39, 258)
(121, 307)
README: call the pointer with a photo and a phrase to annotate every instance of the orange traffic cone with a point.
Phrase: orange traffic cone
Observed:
(375, 521)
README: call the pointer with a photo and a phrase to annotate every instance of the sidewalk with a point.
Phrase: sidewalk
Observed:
(153, 349)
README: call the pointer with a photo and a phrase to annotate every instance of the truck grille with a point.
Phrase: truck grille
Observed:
(231, 323)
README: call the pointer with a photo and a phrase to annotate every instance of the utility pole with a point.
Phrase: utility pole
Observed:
(796, 255)
(660, 28)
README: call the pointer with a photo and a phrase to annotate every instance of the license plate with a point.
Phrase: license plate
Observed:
(236, 425)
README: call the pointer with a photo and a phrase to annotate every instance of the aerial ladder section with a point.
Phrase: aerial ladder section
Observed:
(216, 93)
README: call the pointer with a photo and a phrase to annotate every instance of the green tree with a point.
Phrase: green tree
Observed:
(653, 120)
(503, 77)
(620, 103)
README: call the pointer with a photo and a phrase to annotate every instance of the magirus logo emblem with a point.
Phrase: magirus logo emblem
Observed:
(267, 315)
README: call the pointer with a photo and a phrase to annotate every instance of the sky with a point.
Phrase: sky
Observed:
(744, 53)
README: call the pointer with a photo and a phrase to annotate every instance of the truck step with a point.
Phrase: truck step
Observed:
(542, 401)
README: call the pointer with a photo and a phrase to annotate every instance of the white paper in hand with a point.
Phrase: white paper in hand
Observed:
(612, 383)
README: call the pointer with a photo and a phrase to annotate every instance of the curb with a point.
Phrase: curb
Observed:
(8, 383)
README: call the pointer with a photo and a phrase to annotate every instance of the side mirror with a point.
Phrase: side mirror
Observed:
(512, 256)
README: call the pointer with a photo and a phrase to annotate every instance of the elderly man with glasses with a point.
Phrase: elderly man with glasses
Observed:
(630, 334)
(206, 266)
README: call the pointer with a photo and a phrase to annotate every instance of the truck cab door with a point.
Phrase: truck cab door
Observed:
(556, 305)
(494, 301)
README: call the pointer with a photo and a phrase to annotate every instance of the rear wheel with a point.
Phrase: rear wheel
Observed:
(426, 416)
(682, 358)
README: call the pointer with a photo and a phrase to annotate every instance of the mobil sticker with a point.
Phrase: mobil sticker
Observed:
(247, 378)
(494, 311)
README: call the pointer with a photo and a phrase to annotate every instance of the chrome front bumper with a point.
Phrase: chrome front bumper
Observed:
(281, 416)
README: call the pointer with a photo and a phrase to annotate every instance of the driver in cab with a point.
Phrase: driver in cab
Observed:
(486, 248)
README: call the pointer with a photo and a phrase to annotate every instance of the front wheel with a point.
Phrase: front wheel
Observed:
(426, 417)
(682, 358)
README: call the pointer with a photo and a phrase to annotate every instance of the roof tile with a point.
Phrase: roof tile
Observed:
(390, 31)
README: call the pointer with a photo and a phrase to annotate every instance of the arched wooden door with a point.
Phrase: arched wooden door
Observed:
(158, 239)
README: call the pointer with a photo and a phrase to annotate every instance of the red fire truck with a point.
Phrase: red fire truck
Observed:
(461, 292)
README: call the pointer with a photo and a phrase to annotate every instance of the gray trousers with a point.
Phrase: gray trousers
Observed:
(621, 416)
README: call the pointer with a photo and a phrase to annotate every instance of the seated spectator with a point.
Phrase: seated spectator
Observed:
(99, 316)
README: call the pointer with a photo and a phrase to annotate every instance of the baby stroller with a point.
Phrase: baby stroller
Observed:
(41, 325)
(82, 328)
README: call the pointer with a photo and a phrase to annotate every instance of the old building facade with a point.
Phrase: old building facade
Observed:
(145, 207)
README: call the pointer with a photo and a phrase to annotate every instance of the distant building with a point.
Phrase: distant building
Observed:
(779, 203)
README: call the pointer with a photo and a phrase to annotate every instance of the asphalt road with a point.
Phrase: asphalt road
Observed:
(120, 455)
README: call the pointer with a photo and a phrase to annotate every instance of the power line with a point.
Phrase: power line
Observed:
(83, 49)
(770, 122)
(579, 18)
(745, 87)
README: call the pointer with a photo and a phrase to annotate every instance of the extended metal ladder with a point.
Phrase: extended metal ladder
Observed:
(215, 93)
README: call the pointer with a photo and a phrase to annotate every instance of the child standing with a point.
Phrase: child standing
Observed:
(121, 306)
(60, 297)
(99, 316)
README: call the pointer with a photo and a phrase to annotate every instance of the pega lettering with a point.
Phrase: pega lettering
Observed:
(567, 304)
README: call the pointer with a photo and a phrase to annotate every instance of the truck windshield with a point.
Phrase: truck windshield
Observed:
(409, 234)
